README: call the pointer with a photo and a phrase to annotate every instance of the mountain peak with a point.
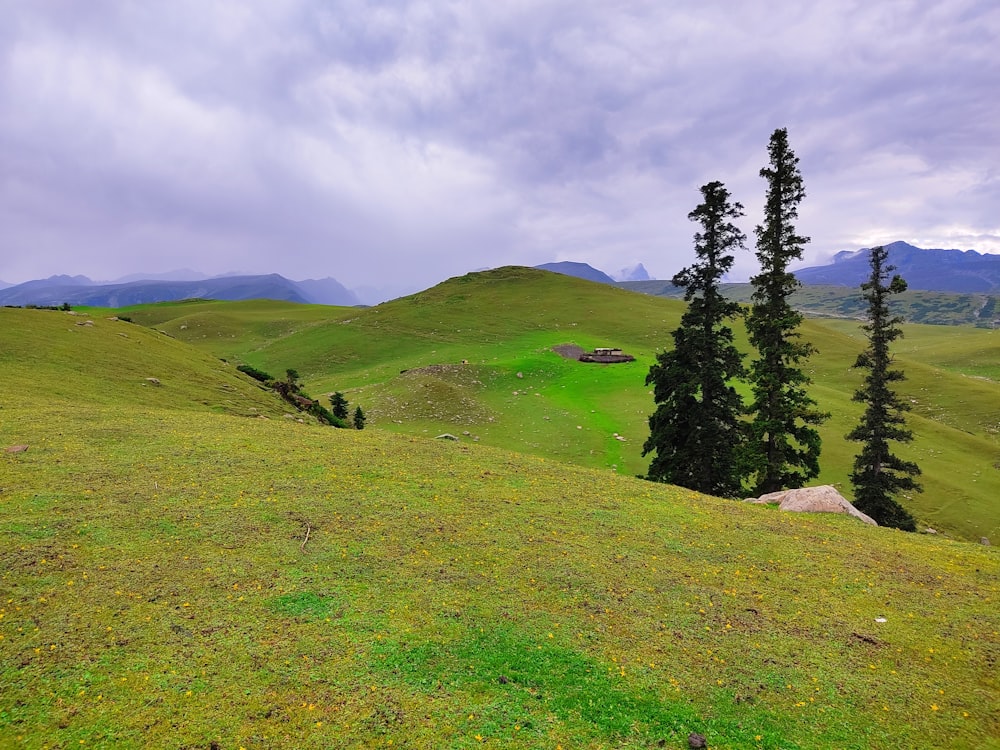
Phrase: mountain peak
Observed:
(636, 272)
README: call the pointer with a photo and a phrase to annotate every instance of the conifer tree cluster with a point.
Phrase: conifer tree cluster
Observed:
(697, 431)
(879, 475)
(702, 434)
(340, 407)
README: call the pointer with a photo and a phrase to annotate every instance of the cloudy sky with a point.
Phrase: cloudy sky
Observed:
(395, 144)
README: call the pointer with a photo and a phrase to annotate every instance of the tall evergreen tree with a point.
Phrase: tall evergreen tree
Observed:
(339, 404)
(879, 475)
(696, 431)
(783, 451)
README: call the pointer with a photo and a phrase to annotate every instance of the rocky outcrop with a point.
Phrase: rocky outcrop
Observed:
(822, 499)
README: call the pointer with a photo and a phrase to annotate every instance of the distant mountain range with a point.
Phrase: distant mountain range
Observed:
(79, 290)
(964, 271)
(955, 271)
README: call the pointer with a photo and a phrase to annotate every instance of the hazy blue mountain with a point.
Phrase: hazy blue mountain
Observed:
(4, 284)
(637, 272)
(932, 270)
(580, 270)
(327, 291)
(57, 290)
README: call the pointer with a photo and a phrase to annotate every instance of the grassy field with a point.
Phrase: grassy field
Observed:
(173, 574)
(182, 565)
(402, 362)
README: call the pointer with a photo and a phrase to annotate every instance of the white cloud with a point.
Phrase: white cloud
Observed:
(426, 138)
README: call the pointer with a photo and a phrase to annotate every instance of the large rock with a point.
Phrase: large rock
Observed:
(823, 499)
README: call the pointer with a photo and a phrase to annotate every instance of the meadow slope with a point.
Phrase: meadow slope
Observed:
(403, 362)
(177, 578)
(177, 571)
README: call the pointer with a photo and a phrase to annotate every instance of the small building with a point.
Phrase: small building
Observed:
(606, 355)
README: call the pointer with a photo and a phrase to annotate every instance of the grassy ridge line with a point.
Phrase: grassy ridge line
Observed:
(181, 578)
(506, 322)
(229, 329)
(68, 357)
(479, 317)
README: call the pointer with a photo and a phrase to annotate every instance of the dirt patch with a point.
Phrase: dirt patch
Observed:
(433, 370)
(569, 351)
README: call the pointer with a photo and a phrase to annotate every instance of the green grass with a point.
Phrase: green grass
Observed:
(507, 321)
(159, 588)
(66, 357)
(174, 573)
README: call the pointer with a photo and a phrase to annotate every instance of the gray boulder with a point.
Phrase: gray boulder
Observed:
(822, 499)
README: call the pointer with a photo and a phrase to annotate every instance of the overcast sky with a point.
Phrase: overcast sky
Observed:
(395, 144)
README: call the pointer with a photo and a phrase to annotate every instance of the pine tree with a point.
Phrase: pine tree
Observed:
(879, 475)
(339, 404)
(359, 419)
(784, 448)
(696, 431)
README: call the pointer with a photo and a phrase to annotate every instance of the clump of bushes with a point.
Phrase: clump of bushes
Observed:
(290, 390)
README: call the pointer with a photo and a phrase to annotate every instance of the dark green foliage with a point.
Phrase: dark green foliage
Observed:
(696, 431)
(359, 419)
(254, 373)
(339, 404)
(784, 447)
(323, 414)
(879, 475)
(292, 378)
(65, 307)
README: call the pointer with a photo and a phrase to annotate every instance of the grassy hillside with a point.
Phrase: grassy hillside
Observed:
(68, 357)
(402, 362)
(175, 575)
(915, 305)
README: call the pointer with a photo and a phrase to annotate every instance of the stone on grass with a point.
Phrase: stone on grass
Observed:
(822, 499)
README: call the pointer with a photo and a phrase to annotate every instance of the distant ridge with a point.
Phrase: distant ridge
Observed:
(930, 270)
(579, 270)
(79, 290)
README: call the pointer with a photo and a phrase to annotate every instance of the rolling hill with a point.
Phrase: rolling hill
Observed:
(176, 571)
(402, 361)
